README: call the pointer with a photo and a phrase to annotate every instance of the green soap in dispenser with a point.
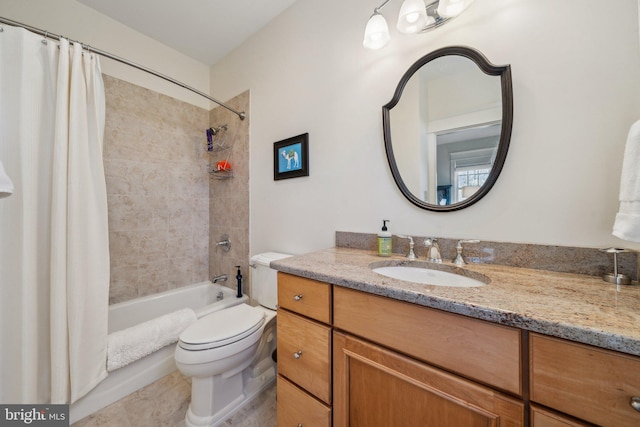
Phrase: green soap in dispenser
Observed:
(384, 240)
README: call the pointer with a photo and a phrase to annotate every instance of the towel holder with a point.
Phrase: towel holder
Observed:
(615, 277)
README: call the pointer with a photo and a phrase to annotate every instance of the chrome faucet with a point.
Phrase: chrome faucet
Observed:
(411, 255)
(220, 278)
(459, 261)
(433, 250)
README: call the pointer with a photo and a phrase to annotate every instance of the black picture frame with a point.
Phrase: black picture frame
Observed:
(291, 157)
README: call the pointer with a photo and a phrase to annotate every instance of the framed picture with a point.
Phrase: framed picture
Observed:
(291, 157)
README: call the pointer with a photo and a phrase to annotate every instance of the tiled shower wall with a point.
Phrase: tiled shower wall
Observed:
(229, 198)
(158, 191)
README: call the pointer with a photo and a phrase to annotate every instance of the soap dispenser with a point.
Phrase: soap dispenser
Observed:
(384, 240)
(238, 283)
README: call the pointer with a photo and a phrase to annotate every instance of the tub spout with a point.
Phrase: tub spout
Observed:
(220, 278)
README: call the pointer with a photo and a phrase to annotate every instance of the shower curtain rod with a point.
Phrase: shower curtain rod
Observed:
(47, 34)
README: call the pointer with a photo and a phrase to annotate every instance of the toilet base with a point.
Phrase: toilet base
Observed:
(253, 386)
(216, 398)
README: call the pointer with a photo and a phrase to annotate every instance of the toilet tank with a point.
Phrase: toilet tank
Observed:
(264, 280)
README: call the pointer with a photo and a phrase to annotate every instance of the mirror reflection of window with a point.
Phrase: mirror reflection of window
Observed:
(465, 158)
(468, 181)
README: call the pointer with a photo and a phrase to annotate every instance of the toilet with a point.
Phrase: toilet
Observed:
(228, 354)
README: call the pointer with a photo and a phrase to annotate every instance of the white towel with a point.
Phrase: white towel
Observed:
(6, 186)
(627, 222)
(136, 342)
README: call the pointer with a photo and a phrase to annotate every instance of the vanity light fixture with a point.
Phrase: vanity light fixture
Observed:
(415, 17)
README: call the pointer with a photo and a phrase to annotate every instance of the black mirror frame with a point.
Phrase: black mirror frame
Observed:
(479, 59)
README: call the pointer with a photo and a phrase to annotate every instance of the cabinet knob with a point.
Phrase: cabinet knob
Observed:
(299, 425)
(635, 403)
(297, 354)
(298, 297)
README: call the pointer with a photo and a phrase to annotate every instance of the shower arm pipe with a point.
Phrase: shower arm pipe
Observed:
(46, 34)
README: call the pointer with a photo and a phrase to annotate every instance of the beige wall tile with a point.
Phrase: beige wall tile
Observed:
(229, 199)
(157, 190)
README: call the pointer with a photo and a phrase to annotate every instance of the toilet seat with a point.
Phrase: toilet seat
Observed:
(222, 328)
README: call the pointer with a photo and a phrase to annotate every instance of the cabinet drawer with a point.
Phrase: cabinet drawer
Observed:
(305, 296)
(477, 349)
(544, 418)
(586, 382)
(295, 407)
(304, 353)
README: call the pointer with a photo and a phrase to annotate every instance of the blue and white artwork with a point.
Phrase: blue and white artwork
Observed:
(290, 158)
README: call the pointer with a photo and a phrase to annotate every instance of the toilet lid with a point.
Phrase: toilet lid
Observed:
(222, 327)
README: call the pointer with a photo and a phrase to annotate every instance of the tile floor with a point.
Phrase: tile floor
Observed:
(165, 402)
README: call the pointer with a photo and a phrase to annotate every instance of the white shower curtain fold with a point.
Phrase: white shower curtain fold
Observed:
(54, 263)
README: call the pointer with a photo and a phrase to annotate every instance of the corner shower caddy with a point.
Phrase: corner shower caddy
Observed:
(219, 149)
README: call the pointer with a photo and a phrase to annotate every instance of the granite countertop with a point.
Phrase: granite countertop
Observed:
(576, 307)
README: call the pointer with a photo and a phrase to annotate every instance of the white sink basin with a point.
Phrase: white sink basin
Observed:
(426, 276)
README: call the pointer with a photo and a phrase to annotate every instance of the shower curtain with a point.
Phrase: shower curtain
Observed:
(54, 250)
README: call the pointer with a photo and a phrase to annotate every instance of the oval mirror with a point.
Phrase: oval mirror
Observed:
(447, 128)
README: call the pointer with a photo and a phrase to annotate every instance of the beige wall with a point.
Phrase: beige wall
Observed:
(576, 88)
(157, 189)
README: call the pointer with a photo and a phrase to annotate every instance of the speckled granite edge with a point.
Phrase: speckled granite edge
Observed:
(564, 259)
(575, 307)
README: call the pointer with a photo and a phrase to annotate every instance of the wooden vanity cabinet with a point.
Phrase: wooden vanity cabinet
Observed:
(304, 352)
(353, 359)
(586, 382)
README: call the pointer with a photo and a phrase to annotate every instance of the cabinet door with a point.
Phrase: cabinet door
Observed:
(375, 387)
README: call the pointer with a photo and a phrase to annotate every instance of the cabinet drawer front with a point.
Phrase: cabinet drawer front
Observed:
(304, 353)
(305, 296)
(477, 349)
(543, 418)
(295, 407)
(587, 382)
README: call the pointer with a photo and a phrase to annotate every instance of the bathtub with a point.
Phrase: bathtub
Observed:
(201, 297)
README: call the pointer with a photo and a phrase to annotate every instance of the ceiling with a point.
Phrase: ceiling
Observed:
(205, 30)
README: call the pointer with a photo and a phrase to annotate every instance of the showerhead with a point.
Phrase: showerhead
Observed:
(211, 133)
(215, 131)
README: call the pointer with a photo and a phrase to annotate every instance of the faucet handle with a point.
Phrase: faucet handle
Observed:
(458, 260)
(411, 254)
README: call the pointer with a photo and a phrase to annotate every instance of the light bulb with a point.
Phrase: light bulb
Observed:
(376, 33)
(452, 8)
(412, 17)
